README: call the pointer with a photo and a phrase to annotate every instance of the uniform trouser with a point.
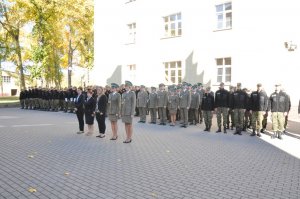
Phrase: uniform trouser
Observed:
(286, 118)
(143, 112)
(265, 121)
(30, 103)
(80, 115)
(26, 103)
(37, 103)
(230, 118)
(40, 103)
(207, 116)
(278, 121)
(222, 111)
(22, 103)
(200, 115)
(101, 122)
(61, 104)
(193, 115)
(178, 115)
(257, 118)
(247, 121)
(239, 118)
(66, 106)
(55, 104)
(162, 114)
(72, 106)
(184, 116)
(153, 114)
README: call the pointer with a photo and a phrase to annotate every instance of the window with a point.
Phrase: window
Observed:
(224, 16)
(172, 25)
(132, 72)
(173, 72)
(129, 1)
(6, 79)
(131, 32)
(223, 69)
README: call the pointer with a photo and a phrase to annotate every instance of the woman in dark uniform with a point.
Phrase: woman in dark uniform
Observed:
(79, 110)
(101, 111)
(90, 106)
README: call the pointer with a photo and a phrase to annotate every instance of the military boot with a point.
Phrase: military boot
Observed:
(219, 130)
(225, 129)
(253, 133)
(279, 135)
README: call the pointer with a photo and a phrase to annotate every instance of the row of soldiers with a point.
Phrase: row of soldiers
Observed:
(192, 103)
(48, 99)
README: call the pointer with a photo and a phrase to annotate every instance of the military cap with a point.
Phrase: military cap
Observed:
(222, 84)
(199, 84)
(259, 85)
(194, 86)
(153, 88)
(114, 85)
(178, 87)
(160, 85)
(231, 87)
(128, 83)
(189, 85)
(239, 84)
(142, 86)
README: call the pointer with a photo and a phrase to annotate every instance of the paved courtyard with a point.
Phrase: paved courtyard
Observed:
(40, 150)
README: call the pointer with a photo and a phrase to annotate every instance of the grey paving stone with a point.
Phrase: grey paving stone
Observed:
(161, 162)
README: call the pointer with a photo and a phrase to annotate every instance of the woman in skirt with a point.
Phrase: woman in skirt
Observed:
(89, 113)
(128, 108)
(114, 109)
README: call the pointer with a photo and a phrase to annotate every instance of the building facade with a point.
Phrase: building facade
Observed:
(170, 41)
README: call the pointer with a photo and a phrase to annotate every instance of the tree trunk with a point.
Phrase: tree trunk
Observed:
(1, 81)
(19, 62)
(70, 60)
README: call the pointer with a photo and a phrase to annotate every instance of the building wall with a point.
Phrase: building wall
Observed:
(255, 43)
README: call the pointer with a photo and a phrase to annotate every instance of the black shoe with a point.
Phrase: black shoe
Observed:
(244, 129)
(114, 138)
(100, 136)
(164, 124)
(253, 134)
(225, 130)
(160, 124)
(235, 133)
(206, 129)
(262, 130)
(258, 134)
(127, 141)
(218, 131)
(239, 133)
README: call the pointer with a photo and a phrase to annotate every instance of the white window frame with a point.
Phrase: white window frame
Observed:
(131, 72)
(223, 66)
(173, 72)
(131, 32)
(221, 12)
(6, 79)
(172, 25)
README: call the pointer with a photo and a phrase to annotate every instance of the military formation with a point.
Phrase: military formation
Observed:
(237, 109)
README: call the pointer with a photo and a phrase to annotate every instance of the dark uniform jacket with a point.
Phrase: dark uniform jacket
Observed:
(278, 102)
(22, 95)
(79, 102)
(207, 102)
(258, 101)
(102, 104)
(222, 98)
(240, 99)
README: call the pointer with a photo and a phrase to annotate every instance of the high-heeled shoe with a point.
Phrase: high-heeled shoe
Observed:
(114, 138)
(127, 141)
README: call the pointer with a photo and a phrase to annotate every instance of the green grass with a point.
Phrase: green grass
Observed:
(6, 100)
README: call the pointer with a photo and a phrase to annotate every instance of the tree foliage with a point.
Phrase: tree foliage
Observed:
(60, 35)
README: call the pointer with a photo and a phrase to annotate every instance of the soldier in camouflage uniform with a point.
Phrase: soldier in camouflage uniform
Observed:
(240, 99)
(152, 105)
(230, 117)
(184, 104)
(142, 98)
(221, 106)
(207, 107)
(195, 103)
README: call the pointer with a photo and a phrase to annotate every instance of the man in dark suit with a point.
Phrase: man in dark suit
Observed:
(79, 109)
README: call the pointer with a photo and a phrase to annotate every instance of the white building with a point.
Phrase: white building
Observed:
(209, 41)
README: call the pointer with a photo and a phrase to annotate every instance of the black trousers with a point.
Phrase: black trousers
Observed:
(101, 122)
(80, 115)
